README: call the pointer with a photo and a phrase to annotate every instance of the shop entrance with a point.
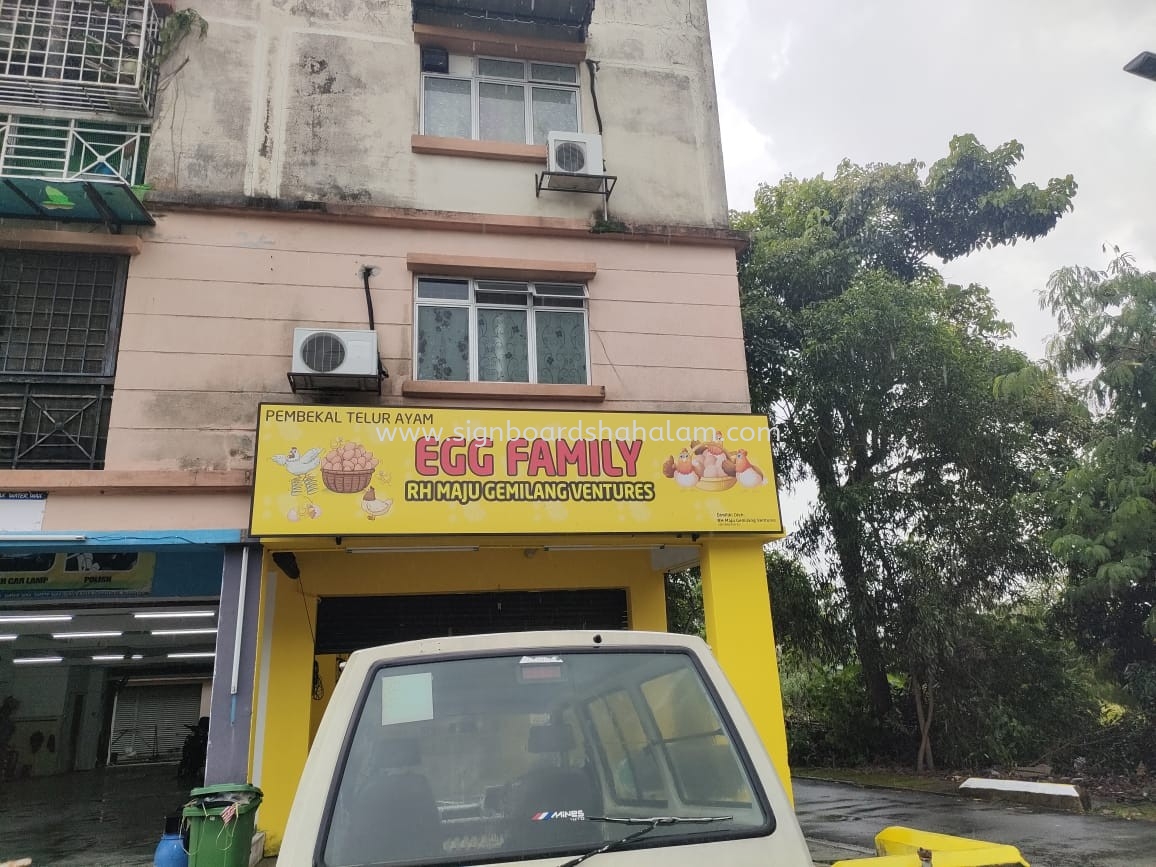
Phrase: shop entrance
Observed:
(349, 623)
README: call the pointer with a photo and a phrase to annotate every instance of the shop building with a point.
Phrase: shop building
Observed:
(365, 227)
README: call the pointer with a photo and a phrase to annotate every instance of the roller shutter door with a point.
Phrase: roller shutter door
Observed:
(149, 722)
(348, 623)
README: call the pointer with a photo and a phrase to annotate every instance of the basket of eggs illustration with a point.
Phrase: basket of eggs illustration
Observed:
(348, 469)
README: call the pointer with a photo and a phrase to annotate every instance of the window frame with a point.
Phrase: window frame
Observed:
(112, 334)
(473, 306)
(92, 390)
(527, 83)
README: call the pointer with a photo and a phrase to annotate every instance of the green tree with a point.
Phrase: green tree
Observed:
(1106, 506)
(684, 610)
(879, 378)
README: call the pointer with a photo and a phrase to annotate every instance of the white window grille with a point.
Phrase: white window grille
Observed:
(70, 149)
(79, 57)
(501, 100)
(498, 331)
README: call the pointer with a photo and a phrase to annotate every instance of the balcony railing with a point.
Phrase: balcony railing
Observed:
(71, 149)
(90, 58)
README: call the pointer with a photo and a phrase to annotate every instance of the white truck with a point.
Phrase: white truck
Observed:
(553, 748)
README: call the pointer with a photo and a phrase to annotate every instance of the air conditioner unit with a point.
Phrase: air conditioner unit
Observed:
(325, 359)
(574, 161)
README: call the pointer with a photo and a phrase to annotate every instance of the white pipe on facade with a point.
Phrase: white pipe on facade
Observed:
(237, 635)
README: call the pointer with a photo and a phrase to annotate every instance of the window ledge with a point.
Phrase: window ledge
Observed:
(127, 481)
(503, 390)
(71, 241)
(481, 150)
(480, 267)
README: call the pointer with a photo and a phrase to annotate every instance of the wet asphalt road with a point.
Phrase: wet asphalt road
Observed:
(851, 816)
(107, 818)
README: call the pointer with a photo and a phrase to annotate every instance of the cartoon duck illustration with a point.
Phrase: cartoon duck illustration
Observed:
(372, 506)
(300, 466)
(748, 474)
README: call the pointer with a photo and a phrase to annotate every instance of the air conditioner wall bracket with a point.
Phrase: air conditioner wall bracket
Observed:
(570, 182)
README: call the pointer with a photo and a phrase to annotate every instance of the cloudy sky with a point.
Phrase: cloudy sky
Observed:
(804, 84)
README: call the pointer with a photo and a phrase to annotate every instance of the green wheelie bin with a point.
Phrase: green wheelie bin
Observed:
(220, 820)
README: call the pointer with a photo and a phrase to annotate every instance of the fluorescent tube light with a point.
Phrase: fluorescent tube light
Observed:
(412, 550)
(108, 657)
(107, 634)
(171, 615)
(602, 547)
(35, 618)
(8, 637)
(137, 656)
(41, 537)
(183, 632)
(33, 660)
(191, 655)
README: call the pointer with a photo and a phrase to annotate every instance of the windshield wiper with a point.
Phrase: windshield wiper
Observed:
(649, 825)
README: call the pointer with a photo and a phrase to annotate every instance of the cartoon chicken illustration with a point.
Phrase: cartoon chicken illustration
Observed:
(684, 470)
(712, 460)
(301, 466)
(372, 506)
(748, 474)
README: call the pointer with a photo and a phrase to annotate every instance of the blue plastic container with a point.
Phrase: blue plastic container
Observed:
(171, 850)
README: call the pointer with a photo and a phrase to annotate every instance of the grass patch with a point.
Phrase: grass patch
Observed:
(1144, 811)
(885, 777)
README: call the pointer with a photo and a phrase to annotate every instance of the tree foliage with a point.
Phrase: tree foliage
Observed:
(1106, 506)
(879, 377)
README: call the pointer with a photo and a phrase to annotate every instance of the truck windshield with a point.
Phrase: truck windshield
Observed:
(503, 758)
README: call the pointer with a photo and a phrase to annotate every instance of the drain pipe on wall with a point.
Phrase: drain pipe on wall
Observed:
(237, 636)
(367, 272)
(592, 68)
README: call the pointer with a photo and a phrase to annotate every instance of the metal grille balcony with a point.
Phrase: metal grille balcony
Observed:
(54, 425)
(70, 149)
(79, 57)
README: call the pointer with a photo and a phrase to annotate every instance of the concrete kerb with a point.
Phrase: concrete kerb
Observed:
(1080, 804)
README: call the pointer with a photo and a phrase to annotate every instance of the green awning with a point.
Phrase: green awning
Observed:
(112, 203)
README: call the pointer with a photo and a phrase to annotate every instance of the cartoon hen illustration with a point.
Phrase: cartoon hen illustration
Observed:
(748, 474)
(372, 506)
(684, 470)
(712, 460)
(300, 466)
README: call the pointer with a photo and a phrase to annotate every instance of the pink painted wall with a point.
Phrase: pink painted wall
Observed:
(213, 300)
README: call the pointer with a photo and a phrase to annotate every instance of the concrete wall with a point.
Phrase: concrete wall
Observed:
(41, 691)
(318, 100)
(212, 303)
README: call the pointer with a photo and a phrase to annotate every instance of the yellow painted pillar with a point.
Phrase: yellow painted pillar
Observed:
(288, 685)
(737, 605)
(648, 602)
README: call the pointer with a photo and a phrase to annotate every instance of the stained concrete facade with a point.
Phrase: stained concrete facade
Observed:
(319, 100)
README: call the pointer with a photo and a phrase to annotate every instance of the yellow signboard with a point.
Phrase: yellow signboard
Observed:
(358, 471)
(85, 573)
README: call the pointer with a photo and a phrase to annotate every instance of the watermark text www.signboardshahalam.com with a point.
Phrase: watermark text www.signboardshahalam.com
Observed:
(408, 426)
